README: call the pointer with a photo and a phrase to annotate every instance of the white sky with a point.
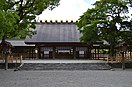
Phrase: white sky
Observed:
(67, 10)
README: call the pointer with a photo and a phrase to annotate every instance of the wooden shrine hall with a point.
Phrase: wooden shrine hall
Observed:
(59, 40)
(55, 40)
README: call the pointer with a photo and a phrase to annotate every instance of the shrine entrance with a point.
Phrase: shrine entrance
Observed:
(61, 52)
(64, 52)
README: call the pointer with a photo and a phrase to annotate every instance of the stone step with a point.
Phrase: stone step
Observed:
(65, 66)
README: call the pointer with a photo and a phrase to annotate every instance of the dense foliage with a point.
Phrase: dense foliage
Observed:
(18, 16)
(108, 20)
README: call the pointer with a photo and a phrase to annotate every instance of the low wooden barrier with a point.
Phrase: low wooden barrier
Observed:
(1, 57)
(118, 58)
(12, 58)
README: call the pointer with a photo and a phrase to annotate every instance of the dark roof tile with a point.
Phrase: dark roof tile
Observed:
(55, 32)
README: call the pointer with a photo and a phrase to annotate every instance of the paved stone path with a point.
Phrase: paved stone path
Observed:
(88, 78)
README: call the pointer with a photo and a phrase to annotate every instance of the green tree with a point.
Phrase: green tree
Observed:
(26, 12)
(8, 20)
(106, 21)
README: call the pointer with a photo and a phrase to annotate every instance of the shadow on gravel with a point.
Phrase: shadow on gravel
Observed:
(119, 65)
(10, 65)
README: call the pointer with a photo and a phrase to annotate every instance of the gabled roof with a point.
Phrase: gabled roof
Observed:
(55, 32)
(17, 42)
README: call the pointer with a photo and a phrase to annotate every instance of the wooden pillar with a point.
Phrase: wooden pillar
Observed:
(98, 53)
(70, 55)
(95, 53)
(70, 51)
(32, 52)
(88, 53)
(74, 52)
(54, 52)
(85, 54)
(39, 53)
(29, 52)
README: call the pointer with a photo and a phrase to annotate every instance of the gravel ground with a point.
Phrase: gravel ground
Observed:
(62, 78)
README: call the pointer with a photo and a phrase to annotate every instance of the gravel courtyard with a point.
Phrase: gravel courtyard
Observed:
(54, 78)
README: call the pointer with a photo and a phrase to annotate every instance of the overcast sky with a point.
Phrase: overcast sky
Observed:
(67, 10)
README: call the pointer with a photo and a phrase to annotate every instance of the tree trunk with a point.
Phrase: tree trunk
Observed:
(6, 61)
(4, 53)
(112, 51)
(123, 61)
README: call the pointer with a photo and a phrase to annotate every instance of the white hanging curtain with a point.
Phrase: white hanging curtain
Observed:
(81, 48)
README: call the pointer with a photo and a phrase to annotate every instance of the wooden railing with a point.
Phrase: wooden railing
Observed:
(98, 56)
(12, 58)
(118, 57)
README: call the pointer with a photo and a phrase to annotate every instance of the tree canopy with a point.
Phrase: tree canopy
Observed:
(8, 19)
(108, 20)
(18, 16)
